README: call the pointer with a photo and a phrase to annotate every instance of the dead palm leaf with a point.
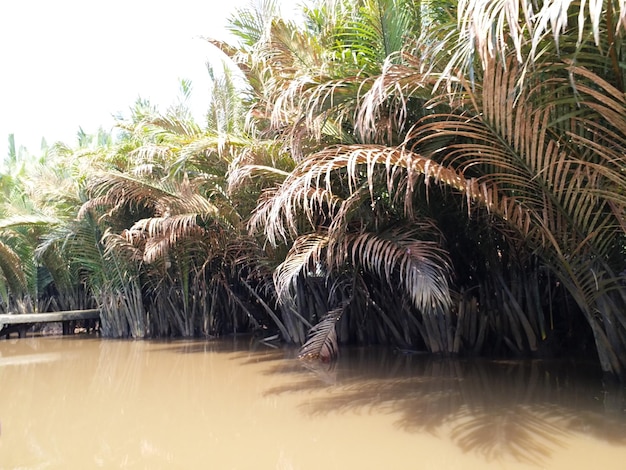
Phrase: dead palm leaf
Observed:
(399, 256)
(492, 28)
(305, 256)
(322, 342)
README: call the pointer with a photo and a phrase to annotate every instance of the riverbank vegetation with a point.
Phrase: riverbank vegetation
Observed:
(440, 176)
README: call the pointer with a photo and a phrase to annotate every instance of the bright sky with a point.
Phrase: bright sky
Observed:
(71, 63)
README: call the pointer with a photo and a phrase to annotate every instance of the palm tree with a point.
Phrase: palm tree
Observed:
(311, 80)
(176, 219)
(380, 177)
(539, 147)
(70, 250)
(41, 195)
(537, 141)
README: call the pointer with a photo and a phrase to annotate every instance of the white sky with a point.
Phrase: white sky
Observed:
(71, 63)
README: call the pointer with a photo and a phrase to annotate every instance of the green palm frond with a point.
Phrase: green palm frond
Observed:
(208, 154)
(249, 24)
(163, 127)
(50, 252)
(12, 270)
(310, 79)
(81, 243)
(377, 29)
(290, 52)
(27, 221)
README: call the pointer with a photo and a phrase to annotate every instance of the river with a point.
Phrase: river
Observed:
(82, 402)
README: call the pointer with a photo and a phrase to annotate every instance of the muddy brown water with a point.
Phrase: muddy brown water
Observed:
(84, 402)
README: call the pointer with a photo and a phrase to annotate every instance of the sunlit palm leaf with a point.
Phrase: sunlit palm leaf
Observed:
(310, 185)
(277, 213)
(304, 256)
(544, 172)
(421, 267)
(493, 27)
(27, 221)
(164, 233)
(398, 82)
(249, 24)
(243, 174)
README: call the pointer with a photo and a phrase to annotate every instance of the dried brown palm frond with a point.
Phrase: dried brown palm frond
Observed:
(305, 255)
(389, 95)
(318, 109)
(420, 266)
(409, 257)
(277, 214)
(505, 148)
(284, 54)
(494, 28)
(181, 245)
(510, 142)
(322, 343)
(395, 257)
(310, 186)
(112, 189)
(556, 177)
(162, 234)
(162, 198)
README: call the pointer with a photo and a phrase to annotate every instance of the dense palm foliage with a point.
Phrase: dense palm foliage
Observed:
(440, 176)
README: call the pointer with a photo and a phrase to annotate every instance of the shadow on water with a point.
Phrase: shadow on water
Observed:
(527, 411)
(507, 409)
(517, 409)
(243, 348)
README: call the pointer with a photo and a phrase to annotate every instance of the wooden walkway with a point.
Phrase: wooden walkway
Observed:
(11, 323)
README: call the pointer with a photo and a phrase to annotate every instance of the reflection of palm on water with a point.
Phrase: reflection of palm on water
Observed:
(527, 413)
(518, 409)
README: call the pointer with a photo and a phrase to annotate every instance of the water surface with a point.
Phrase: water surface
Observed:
(82, 402)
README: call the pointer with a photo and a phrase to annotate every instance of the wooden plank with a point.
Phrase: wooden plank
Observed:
(23, 318)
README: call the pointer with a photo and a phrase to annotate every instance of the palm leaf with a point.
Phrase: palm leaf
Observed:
(12, 272)
(378, 29)
(304, 256)
(543, 172)
(322, 342)
(250, 24)
(494, 27)
(310, 186)
(421, 267)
